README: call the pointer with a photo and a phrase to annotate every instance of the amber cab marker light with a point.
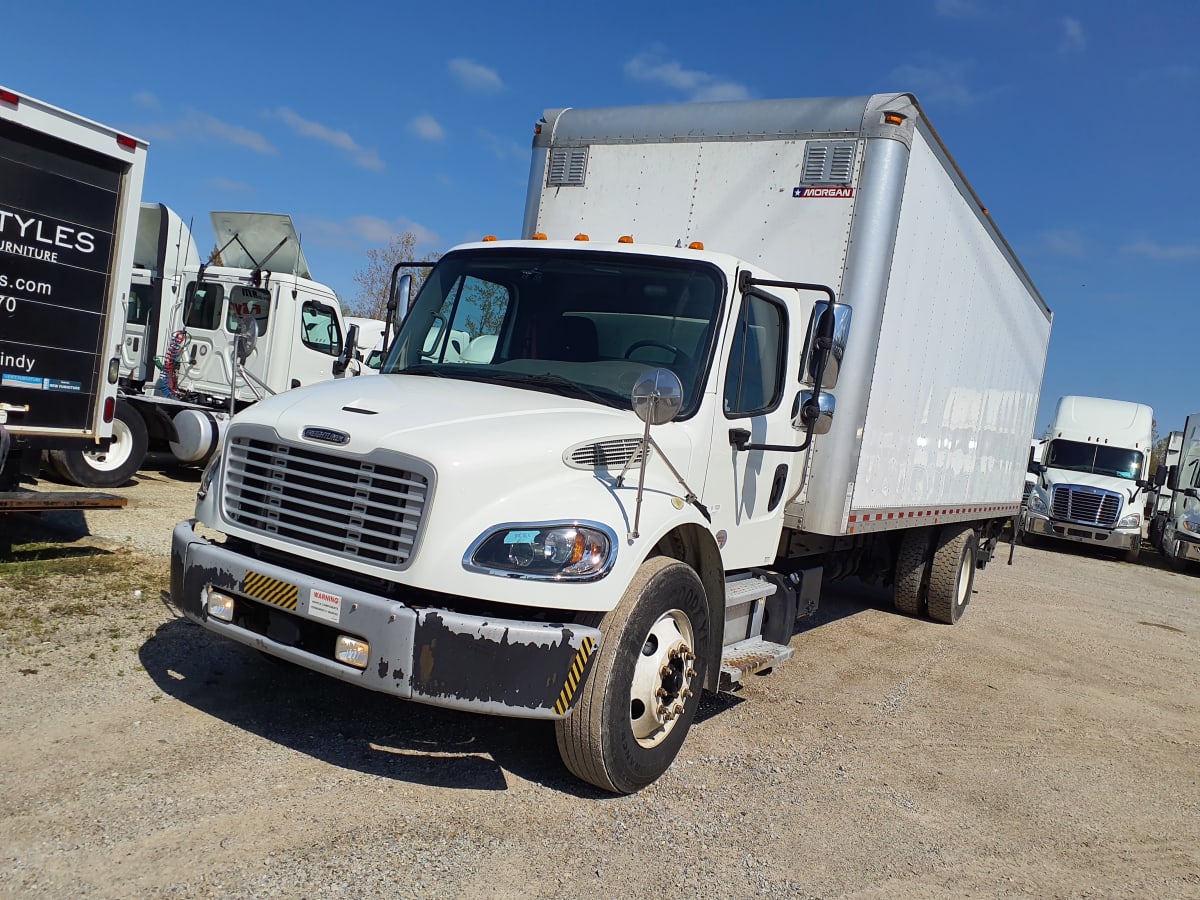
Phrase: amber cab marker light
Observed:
(10, 97)
(488, 237)
(696, 245)
(540, 236)
(625, 239)
(582, 237)
(893, 118)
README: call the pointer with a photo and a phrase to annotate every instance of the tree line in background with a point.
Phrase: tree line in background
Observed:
(374, 280)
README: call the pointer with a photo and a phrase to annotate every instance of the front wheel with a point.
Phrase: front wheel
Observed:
(114, 465)
(636, 708)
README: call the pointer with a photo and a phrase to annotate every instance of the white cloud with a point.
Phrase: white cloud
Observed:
(1073, 39)
(228, 184)
(1064, 243)
(1168, 253)
(944, 83)
(356, 231)
(427, 128)
(363, 156)
(696, 84)
(199, 126)
(146, 100)
(474, 76)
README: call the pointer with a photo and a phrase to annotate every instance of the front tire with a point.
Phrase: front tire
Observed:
(952, 576)
(639, 702)
(114, 465)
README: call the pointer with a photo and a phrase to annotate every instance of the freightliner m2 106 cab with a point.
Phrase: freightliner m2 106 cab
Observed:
(69, 190)
(598, 477)
(1092, 474)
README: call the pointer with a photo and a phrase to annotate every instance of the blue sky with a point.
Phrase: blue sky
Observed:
(1074, 121)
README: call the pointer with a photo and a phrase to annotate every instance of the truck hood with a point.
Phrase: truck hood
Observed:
(458, 426)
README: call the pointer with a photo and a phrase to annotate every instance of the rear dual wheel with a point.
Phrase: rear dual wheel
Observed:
(936, 576)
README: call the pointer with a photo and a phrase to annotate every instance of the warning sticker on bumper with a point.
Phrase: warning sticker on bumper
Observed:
(324, 606)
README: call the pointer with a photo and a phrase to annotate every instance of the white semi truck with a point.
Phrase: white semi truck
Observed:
(1092, 474)
(1175, 530)
(69, 191)
(202, 341)
(597, 477)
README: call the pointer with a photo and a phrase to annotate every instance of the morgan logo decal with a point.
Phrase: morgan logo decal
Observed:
(328, 435)
(839, 192)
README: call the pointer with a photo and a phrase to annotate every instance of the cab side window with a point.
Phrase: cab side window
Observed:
(755, 377)
(319, 328)
(202, 305)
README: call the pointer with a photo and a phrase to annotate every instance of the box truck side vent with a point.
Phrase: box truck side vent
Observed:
(829, 162)
(1086, 505)
(367, 509)
(612, 454)
(568, 166)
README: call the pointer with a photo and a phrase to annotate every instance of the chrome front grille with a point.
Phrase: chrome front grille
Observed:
(1086, 505)
(365, 508)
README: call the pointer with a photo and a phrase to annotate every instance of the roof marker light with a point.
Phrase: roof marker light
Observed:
(10, 97)
(127, 142)
(540, 236)
(625, 239)
(696, 245)
(891, 118)
(582, 237)
(488, 237)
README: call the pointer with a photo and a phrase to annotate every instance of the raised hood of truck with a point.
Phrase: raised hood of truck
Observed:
(249, 241)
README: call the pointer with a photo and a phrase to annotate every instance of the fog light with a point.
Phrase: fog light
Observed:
(351, 651)
(220, 606)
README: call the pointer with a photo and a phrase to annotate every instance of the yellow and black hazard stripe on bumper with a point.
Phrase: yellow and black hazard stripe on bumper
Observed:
(575, 675)
(270, 590)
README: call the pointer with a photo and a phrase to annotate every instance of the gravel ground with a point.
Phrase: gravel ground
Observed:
(1046, 746)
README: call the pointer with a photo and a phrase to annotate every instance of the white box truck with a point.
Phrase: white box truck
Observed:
(1175, 530)
(1091, 475)
(202, 341)
(640, 460)
(69, 192)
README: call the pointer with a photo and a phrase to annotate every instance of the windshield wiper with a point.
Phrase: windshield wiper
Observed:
(556, 384)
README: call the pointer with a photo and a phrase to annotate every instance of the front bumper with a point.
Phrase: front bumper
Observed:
(1185, 546)
(1085, 534)
(436, 656)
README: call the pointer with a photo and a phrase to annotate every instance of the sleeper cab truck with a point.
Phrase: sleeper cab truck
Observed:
(1175, 530)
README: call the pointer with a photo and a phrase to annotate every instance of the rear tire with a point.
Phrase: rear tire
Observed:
(1131, 555)
(112, 466)
(911, 580)
(636, 707)
(952, 575)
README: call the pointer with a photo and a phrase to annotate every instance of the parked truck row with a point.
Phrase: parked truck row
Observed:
(741, 350)
(1175, 527)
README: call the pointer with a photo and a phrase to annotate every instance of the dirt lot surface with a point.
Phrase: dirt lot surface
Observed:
(1049, 745)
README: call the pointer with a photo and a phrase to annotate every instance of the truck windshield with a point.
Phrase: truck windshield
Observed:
(581, 324)
(1095, 458)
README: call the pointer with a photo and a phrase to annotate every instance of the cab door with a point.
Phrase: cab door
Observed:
(756, 395)
(203, 364)
(316, 340)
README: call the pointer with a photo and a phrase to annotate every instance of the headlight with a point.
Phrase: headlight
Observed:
(1133, 520)
(578, 551)
(1190, 523)
(1037, 501)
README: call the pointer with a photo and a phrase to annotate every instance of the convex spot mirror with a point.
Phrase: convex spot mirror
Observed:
(246, 336)
(826, 405)
(827, 319)
(657, 396)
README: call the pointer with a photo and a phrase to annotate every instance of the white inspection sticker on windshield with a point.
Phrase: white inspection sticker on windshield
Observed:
(324, 606)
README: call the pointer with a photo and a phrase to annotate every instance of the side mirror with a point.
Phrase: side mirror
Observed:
(340, 364)
(1172, 477)
(1160, 476)
(1036, 467)
(246, 337)
(828, 331)
(819, 412)
(657, 396)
